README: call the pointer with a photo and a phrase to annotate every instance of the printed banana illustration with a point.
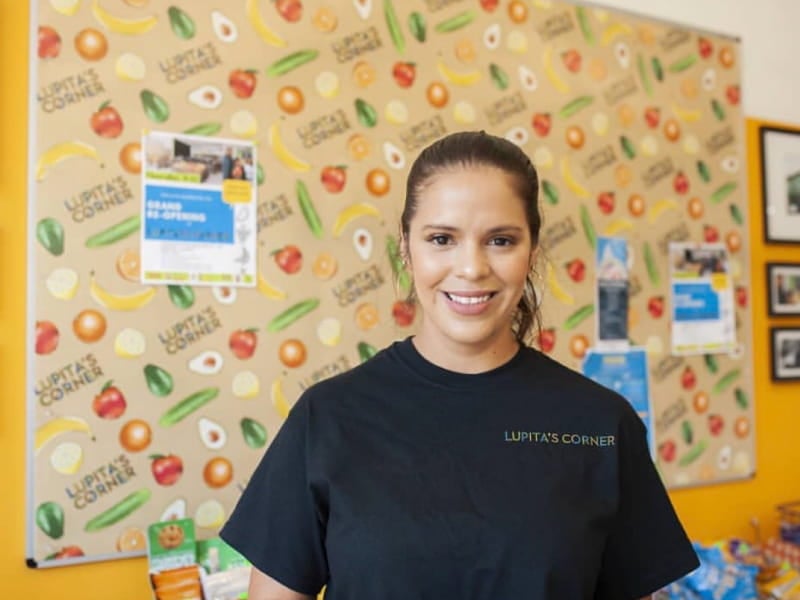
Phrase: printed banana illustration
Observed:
(264, 32)
(550, 71)
(612, 32)
(618, 226)
(559, 293)
(279, 401)
(266, 289)
(56, 427)
(119, 25)
(575, 187)
(660, 208)
(686, 115)
(60, 152)
(465, 78)
(118, 301)
(352, 212)
(283, 153)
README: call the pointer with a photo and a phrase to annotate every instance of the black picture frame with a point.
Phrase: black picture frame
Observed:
(783, 289)
(785, 353)
(780, 184)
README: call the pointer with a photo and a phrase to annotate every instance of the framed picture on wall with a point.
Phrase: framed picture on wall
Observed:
(785, 353)
(783, 283)
(780, 175)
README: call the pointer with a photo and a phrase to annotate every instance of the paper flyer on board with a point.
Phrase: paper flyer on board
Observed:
(701, 287)
(624, 372)
(198, 210)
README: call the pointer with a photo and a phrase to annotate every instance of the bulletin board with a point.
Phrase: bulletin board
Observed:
(150, 401)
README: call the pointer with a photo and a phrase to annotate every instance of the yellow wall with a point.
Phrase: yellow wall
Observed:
(708, 513)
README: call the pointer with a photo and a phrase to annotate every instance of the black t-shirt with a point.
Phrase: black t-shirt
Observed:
(402, 480)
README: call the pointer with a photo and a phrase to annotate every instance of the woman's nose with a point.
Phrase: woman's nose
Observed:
(472, 262)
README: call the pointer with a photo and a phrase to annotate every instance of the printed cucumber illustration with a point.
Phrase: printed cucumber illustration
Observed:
(650, 264)
(687, 432)
(693, 453)
(588, 227)
(119, 511)
(741, 398)
(575, 106)
(646, 83)
(307, 208)
(717, 109)
(586, 28)
(366, 113)
(682, 64)
(292, 314)
(499, 76)
(50, 519)
(724, 382)
(115, 233)
(578, 317)
(291, 62)
(187, 406)
(723, 192)
(627, 146)
(736, 214)
(711, 363)
(50, 234)
(155, 107)
(181, 23)
(395, 32)
(457, 22)
(417, 26)
(255, 434)
(181, 296)
(658, 69)
(210, 128)
(703, 171)
(366, 351)
(550, 192)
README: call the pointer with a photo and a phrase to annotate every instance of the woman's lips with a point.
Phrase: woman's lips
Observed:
(468, 303)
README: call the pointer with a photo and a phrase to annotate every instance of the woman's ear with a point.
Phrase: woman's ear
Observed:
(405, 256)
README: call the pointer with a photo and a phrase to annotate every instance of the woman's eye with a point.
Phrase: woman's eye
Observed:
(439, 240)
(501, 241)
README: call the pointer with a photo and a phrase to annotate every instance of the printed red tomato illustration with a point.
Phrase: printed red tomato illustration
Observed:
(291, 10)
(66, 552)
(741, 296)
(547, 340)
(605, 202)
(109, 403)
(572, 60)
(652, 116)
(688, 378)
(333, 178)
(667, 450)
(705, 47)
(166, 469)
(46, 337)
(289, 259)
(489, 5)
(655, 306)
(733, 94)
(242, 82)
(403, 313)
(106, 121)
(404, 74)
(576, 269)
(541, 124)
(49, 42)
(681, 183)
(242, 343)
(710, 234)
(715, 424)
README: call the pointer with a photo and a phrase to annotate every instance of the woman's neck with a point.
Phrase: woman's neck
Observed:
(466, 358)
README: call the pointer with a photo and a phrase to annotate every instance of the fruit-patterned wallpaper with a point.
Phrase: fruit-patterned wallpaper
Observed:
(150, 402)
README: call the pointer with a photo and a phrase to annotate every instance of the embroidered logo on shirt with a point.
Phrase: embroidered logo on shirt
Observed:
(551, 437)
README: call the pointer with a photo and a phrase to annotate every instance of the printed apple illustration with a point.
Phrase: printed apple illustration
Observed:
(403, 313)
(66, 552)
(572, 60)
(652, 116)
(166, 469)
(289, 259)
(681, 183)
(605, 202)
(733, 94)
(404, 73)
(242, 343)
(576, 269)
(741, 296)
(46, 337)
(489, 5)
(547, 340)
(109, 403)
(705, 47)
(333, 178)
(541, 124)
(49, 42)
(242, 82)
(715, 424)
(291, 10)
(710, 234)
(106, 121)
(666, 450)
(655, 306)
(688, 378)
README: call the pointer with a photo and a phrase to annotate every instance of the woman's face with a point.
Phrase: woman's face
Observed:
(469, 250)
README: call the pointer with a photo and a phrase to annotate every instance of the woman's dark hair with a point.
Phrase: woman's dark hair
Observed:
(474, 149)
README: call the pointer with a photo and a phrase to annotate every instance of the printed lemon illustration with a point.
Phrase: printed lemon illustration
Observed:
(62, 283)
(396, 112)
(129, 343)
(244, 124)
(245, 385)
(464, 113)
(329, 331)
(66, 7)
(209, 514)
(327, 84)
(130, 67)
(67, 458)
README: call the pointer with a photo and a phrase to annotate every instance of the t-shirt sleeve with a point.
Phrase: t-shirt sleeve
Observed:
(276, 524)
(647, 547)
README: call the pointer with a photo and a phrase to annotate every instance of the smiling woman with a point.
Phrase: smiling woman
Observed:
(406, 477)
